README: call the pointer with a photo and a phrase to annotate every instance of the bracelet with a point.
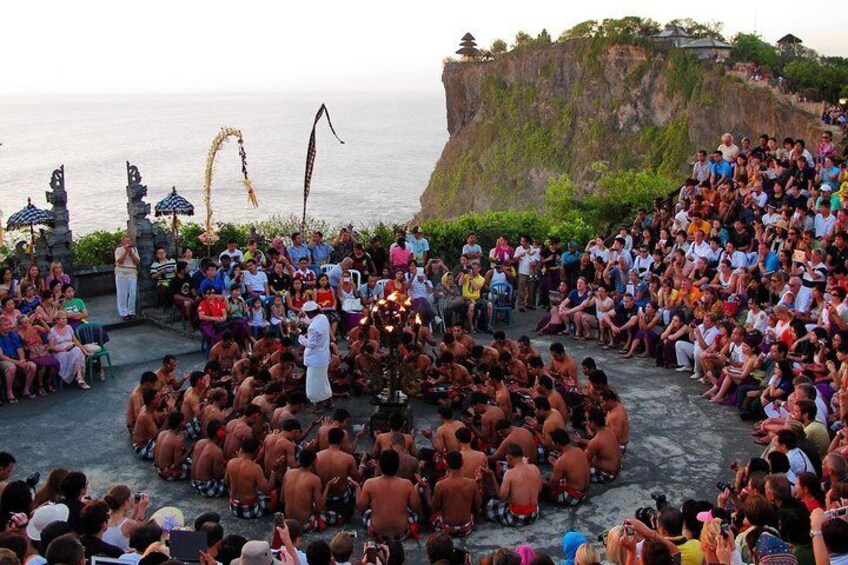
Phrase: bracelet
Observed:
(814, 533)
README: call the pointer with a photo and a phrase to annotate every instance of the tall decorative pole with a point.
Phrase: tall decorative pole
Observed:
(140, 229)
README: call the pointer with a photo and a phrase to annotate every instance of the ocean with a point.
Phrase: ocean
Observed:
(392, 143)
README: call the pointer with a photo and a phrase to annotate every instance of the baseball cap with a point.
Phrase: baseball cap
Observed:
(43, 516)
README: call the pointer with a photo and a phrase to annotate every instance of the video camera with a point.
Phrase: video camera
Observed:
(648, 515)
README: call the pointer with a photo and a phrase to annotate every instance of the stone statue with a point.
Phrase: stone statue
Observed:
(146, 235)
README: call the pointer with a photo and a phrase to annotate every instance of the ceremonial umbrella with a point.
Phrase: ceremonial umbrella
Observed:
(29, 216)
(173, 205)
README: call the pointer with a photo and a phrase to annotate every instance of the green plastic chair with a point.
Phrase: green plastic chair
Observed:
(93, 333)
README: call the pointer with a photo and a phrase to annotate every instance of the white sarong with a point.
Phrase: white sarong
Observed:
(318, 384)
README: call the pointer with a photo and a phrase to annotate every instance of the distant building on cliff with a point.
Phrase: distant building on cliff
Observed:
(672, 36)
(789, 44)
(709, 49)
(468, 47)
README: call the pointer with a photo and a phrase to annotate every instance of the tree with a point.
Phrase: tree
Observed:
(523, 38)
(544, 38)
(498, 47)
(582, 30)
(699, 30)
(750, 48)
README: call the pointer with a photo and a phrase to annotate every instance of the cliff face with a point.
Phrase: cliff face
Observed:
(536, 113)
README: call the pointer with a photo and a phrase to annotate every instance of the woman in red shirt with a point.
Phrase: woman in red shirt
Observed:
(326, 299)
(397, 285)
(212, 312)
(808, 490)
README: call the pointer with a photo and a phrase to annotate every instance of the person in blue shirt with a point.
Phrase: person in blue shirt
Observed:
(767, 260)
(211, 279)
(319, 249)
(720, 169)
(297, 249)
(13, 359)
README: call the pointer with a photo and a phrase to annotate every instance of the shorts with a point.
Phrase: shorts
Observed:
(177, 472)
(439, 524)
(213, 488)
(510, 515)
(412, 529)
(6, 365)
(145, 450)
(564, 495)
(250, 510)
(600, 477)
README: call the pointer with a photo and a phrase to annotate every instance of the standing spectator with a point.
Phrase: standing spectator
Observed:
(126, 277)
(527, 259)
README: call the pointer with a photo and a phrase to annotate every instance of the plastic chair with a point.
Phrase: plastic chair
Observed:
(501, 296)
(93, 333)
(326, 268)
(356, 276)
(174, 311)
(381, 284)
(315, 269)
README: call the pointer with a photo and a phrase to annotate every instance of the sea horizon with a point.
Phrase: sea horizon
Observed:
(392, 143)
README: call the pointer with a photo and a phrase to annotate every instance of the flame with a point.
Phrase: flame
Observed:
(382, 302)
(364, 320)
(390, 329)
(418, 319)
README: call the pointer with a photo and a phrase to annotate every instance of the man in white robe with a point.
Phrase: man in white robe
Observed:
(317, 355)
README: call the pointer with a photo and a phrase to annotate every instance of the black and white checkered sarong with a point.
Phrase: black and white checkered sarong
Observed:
(500, 512)
(213, 488)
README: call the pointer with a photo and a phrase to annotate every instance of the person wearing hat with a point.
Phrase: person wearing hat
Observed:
(316, 358)
(43, 516)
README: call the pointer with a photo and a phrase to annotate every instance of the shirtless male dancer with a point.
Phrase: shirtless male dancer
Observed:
(603, 452)
(569, 479)
(517, 500)
(207, 462)
(456, 500)
(146, 426)
(169, 456)
(332, 463)
(305, 497)
(389, 504)
(250, 490)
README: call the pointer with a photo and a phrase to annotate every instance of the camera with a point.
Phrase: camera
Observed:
(32, 480)
(724, 486)
(837, 513)
(138, 496)
(660, 500)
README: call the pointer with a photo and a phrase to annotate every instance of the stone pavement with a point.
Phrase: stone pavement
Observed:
(680, 445)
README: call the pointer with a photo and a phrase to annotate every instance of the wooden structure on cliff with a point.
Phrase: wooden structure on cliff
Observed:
(468, 47)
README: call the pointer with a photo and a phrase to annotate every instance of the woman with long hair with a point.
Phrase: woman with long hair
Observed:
(33, 277)
(67, 349)
(127, 514)
(326, 299)
(49, 491)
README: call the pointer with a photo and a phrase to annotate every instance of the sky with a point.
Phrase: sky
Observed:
(172, 46)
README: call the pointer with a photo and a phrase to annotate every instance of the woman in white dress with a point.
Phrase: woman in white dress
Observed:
(68, 351)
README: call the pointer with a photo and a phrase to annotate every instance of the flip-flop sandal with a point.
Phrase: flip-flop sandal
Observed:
(30, 396)
(13, 400)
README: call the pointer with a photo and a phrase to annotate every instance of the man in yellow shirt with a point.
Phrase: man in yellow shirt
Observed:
(472, 297)
(670, 526)
(696, 224)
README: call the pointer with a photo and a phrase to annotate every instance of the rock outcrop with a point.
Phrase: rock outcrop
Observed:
(538, 112)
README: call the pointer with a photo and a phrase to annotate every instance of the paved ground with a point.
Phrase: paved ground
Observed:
(680, 444)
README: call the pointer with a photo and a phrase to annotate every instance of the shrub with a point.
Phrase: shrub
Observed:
(96, 248)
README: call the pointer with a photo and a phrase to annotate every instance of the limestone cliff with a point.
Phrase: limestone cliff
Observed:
(538, 112)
